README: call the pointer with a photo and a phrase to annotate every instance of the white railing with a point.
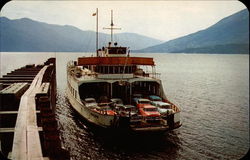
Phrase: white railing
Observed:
(115, 76)
(151, 75)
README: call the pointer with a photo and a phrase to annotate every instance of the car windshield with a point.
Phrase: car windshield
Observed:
(119, 105)
(90, 101)
(106, 108)
(144, 102)
(137, 95)
(133, 109)
(117, 101)
(128, 109)
(165, 106)
(150, 109)
(155, 98)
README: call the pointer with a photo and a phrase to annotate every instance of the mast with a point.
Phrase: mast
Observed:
(112, 27)
(96, 14)
(97, 32)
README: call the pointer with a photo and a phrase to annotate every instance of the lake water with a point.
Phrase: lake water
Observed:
(211, 90)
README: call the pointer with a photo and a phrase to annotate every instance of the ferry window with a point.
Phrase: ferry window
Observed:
(117, 50)
(121, 51)
(129, 69)
(121, 69)
(106, 69)
(112, 51)
(116, 69)
(133, 68)
(98, 69)
(111, 69)
(101, 69)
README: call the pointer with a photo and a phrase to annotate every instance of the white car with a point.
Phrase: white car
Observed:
(163, 107)
(142, 101)
(116, 100)
(128, 110)
(89, 102)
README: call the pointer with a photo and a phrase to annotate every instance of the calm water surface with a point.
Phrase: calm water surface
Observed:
(211, 90)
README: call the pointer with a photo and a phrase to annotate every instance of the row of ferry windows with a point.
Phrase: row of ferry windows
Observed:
(72, 90)
(115, 69)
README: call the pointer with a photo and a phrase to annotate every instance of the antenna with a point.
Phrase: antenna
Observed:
(112, 27)
(97, 31)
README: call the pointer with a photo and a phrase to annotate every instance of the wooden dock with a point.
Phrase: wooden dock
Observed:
(28, 128)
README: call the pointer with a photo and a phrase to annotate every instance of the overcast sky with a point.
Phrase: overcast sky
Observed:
(164, 20)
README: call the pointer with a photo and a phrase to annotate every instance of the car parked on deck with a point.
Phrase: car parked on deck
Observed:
(89, 102)
(154, 98)
(149, 112)
(141, 101)
(163, 107)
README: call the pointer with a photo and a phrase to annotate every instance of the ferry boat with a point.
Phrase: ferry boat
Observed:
(113, 90)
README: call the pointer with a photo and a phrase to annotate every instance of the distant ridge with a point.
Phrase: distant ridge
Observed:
(26, 35)
(230, 35)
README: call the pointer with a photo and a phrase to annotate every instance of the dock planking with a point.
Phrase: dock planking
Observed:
(22, 73)
(16, 75)
(27, 143)
(17, 78)
(12, 112)
(32, 132)
(13, 81)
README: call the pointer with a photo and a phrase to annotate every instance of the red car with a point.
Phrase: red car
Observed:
(150, 113)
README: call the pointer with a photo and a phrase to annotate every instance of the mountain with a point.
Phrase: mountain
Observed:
(26, 35)
(229, 35)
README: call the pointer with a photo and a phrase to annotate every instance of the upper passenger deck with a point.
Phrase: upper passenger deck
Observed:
(116, 56)
(115, 61)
